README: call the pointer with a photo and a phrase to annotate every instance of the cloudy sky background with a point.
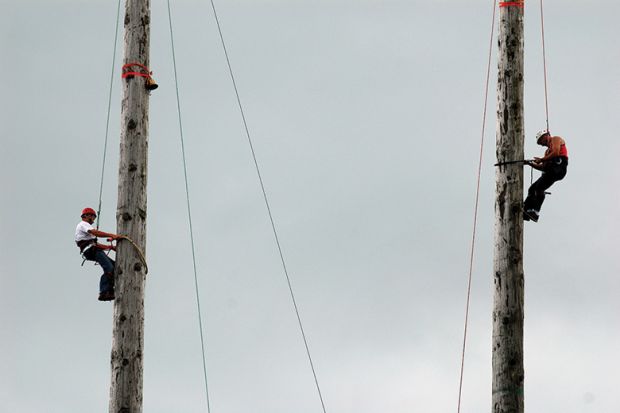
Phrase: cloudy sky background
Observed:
(366, 120)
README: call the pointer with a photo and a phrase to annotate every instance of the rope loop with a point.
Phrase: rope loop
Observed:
(143, 71)
(139, 251)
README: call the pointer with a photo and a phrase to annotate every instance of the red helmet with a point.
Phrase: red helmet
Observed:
(88, 211)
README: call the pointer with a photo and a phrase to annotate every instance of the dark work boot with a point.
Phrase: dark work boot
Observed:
(106, 287)
(530, 215)
(106, 296)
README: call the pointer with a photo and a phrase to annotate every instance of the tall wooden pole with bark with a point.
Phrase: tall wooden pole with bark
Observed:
(508, 374)
(128, 324)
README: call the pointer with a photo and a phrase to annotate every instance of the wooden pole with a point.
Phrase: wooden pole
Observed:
(128, 324)
(508, 373)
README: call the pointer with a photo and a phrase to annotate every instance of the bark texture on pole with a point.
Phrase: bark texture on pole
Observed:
(128, 325)
(508, 374)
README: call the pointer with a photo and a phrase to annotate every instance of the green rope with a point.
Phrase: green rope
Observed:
(271, 219)
(107, 124)
(189, 212)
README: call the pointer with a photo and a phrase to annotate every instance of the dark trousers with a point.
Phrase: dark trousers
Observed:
(554, 171)
(106, 282)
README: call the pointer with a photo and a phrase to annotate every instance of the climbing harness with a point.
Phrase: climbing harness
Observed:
(84, 246)
(87, 245)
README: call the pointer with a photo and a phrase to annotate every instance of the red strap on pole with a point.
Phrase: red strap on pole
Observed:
(512, 3)
(145, 72)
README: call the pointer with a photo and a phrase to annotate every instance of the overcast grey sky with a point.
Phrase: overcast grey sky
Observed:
(366, 120)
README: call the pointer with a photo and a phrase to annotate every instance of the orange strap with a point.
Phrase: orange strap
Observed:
(145, 72)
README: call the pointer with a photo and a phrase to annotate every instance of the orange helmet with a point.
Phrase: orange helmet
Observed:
(88, 211)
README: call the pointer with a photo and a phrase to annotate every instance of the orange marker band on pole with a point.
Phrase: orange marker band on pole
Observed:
(512, 3)
(145, 73)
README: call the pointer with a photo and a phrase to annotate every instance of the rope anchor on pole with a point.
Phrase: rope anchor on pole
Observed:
(142, 71)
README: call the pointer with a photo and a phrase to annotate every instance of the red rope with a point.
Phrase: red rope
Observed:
(473, 236)
(512, 3)
(141, 74)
